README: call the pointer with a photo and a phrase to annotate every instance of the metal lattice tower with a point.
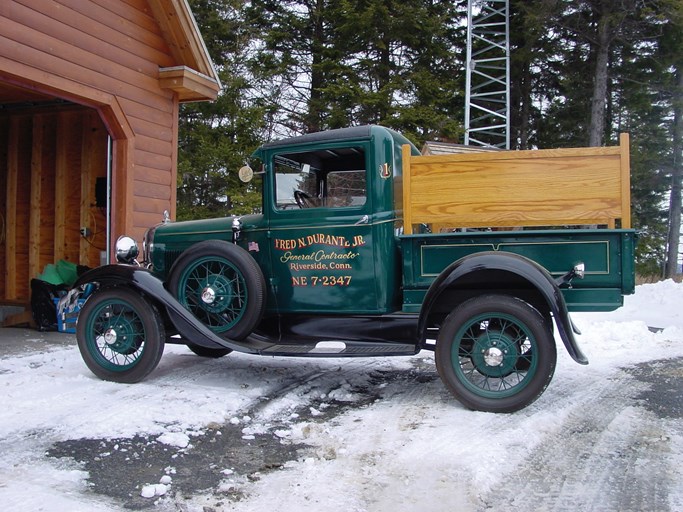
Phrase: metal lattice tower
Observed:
(487, 95)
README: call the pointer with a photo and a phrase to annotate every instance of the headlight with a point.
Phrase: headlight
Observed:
(126, 249)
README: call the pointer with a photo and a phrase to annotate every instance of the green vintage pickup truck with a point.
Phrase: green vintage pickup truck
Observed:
(364, 247)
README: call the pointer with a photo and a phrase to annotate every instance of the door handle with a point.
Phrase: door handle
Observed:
(363, 220)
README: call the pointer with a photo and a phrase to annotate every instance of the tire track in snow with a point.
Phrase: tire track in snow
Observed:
(610, 454)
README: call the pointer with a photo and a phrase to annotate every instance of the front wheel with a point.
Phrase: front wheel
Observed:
(120, 335)
(495, 353)
(222, 285)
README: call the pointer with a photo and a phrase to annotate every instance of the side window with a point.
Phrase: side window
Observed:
(295, 182)
(329, 178)
(346, 188)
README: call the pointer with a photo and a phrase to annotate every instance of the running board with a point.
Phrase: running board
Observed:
(340, 349)
(261, 345)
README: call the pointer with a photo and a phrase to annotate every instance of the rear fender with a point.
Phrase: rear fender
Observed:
(534, 274)
(142, 280)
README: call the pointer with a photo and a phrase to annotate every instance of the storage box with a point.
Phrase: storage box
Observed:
(67, 315)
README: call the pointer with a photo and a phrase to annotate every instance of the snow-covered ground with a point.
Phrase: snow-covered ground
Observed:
(381, 434)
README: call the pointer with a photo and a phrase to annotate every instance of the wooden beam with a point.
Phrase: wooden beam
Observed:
(87, 184)
(188, 84)
(624, 146)
(24, 318)
(11, 210)
(36, 198)
(174, 163)
(182, 35)
(62, 187)
(407, 199)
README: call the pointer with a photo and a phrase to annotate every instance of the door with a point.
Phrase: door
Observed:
(320, 231)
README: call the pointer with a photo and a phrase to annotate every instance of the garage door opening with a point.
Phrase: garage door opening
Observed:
(54, 188)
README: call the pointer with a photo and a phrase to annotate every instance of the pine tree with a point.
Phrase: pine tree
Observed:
(216, 139)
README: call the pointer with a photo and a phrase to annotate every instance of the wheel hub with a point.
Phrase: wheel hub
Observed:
(110, 336)
(208, 295)
(216, 293)
(121, 337)
(493, 356)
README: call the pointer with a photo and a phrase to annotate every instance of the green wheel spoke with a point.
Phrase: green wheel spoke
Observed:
(116, 335)
(494, 354)
(227, 299)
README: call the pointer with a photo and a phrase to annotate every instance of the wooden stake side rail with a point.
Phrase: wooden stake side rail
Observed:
(509, 189)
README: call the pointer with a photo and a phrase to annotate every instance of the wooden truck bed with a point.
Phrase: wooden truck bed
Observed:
(515, 189)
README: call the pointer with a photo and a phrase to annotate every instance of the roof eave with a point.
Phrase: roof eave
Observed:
(199, 80)
(188, 84)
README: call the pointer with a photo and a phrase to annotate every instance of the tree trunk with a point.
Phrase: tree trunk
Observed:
(597, 126)
(525, 107)
(673, 238)
(314, 115)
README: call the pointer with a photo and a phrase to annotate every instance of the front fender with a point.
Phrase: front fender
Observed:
(143, 280)
(529, 270)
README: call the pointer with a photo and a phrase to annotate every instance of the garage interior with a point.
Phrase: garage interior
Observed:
(54, 191)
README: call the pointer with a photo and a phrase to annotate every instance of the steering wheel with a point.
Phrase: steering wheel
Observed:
(303, 199)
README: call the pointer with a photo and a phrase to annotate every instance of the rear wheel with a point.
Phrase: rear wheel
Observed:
(221, 284)
(495, 353)
(120, 335)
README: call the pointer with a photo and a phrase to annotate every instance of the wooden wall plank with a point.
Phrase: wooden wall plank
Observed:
(161, 132)
(152, 145)
(174, 165)
(4, 144)
(11, 211)
(36, 194)
(47, 186)
(153, 160)
(17, 208)
(158, 176)
(140, 114)
(129, 22)
(93, 166)
(150, 205)
(80, 31)
(105, 54)
(152, 191)
(38, 50)
(62, 186)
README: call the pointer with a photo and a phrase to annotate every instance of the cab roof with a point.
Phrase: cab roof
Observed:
(341, 134)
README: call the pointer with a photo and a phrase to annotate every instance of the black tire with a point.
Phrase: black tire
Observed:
(495, 353)
(120, 335)
(213, 353)
(222, 285)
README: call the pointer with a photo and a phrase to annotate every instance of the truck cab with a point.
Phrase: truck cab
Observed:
(331, 206)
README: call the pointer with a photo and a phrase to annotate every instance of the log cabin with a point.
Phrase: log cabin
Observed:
(89, 99)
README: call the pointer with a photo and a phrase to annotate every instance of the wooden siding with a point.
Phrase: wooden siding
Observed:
(543, 188)
(104, 54)
(50, 161)
(123, 67)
